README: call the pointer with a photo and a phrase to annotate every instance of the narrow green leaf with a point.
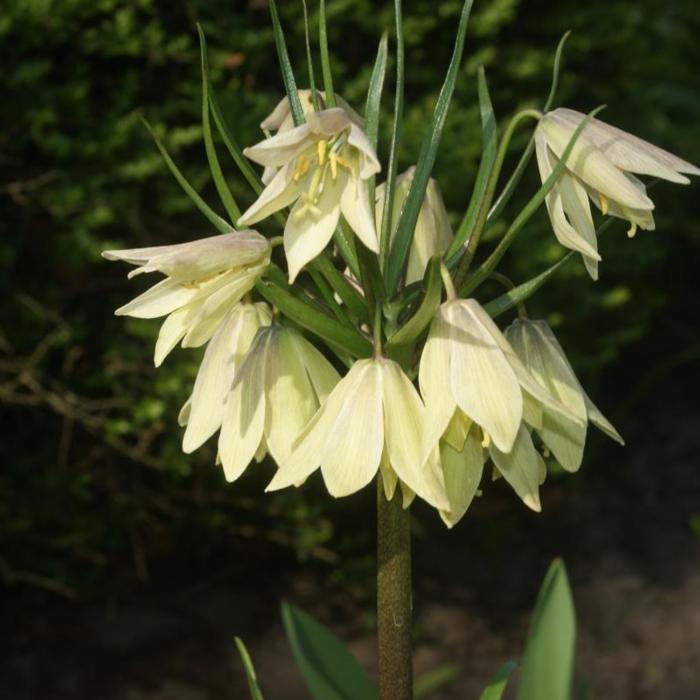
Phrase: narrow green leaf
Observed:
(412, 329)
(337, 280)
(309, 59)
(374, 99)
(548, 663)
(325, 57)
(430, 681)
(375, 90)
(426, 160)
(326, 293)
(222, 188)
(392, 165)
(274, 288)
(523, 291)
(232, 146)
(290, 84)
(220, 224)
(329, 670)
(526, 214)
(489, 149)
(497, 685)
(517, 175)
(255, 692)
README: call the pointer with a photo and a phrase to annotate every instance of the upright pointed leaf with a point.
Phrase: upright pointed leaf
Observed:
(325, 57)
(548, 664)
(426, 160)
(497, 685)
(290, 84)
(489, 148)
(227, 198)
(255, 692)
(329, 670)
(220, 224)
(309, 59)
(374, 98)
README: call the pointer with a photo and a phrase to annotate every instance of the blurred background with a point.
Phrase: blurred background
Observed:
(127, 567)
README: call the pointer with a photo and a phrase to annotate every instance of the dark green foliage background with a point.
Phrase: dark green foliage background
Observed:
(94, 491)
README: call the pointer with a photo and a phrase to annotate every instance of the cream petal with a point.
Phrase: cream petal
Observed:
(353, 446)
(224, 353)
(162, 298)
(462, 471)
(369, 163)
(328, 122)
(322, 374)
(631, 153)
(291, 400)
(591, 165)
(282, 148)
(354, 205)
(521, 468)
(279, 193)
(403, 432)
(435, 382)
(307, 233)
(483, 382)
(389, 478)
(171, 333)
(600, 421)
(244, 411)
(308, 449)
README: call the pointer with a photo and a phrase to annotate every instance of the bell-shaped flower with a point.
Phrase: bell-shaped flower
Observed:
(204, 279)
(601, 167)
(473, 384)
(276, 390)
(540, 352)
(433, 233)
(203, 410)
(323, 168)
(371, 422)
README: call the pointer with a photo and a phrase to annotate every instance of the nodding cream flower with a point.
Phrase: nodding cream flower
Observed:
(372, 421)
(536, 346)
(323, 167)
(477, 392)
(278, 387)
(433, 233)
(600, 168)
(203, 410)
(204, 279)
(281, 119)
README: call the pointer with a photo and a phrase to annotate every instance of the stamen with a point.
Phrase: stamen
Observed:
(632, 231)
(486, 439)
(302, 168)
(334, 165)
(545, 451)
(322, 149)
(604, 204)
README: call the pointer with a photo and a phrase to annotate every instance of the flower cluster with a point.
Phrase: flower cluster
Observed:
(267, 388)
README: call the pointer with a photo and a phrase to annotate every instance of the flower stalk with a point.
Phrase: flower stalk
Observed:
(394, 598)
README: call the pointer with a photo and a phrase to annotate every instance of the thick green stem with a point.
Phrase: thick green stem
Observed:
(394, 602)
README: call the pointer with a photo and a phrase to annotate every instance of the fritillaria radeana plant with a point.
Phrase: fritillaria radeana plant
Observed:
(351, 334)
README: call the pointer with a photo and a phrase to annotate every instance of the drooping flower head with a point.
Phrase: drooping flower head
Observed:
(323, 167)
(278, 387)
(204, 278)
(372, 421)
(541, 353)
(601, 167)
(477, 393)
(433, 233)
(203, 410)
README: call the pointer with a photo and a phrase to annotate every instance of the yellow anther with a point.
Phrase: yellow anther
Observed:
(302, 168)
(632, 231)
(486, 439)
(545, 451)
(604, 204)
(334, 165)
(322, 150)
